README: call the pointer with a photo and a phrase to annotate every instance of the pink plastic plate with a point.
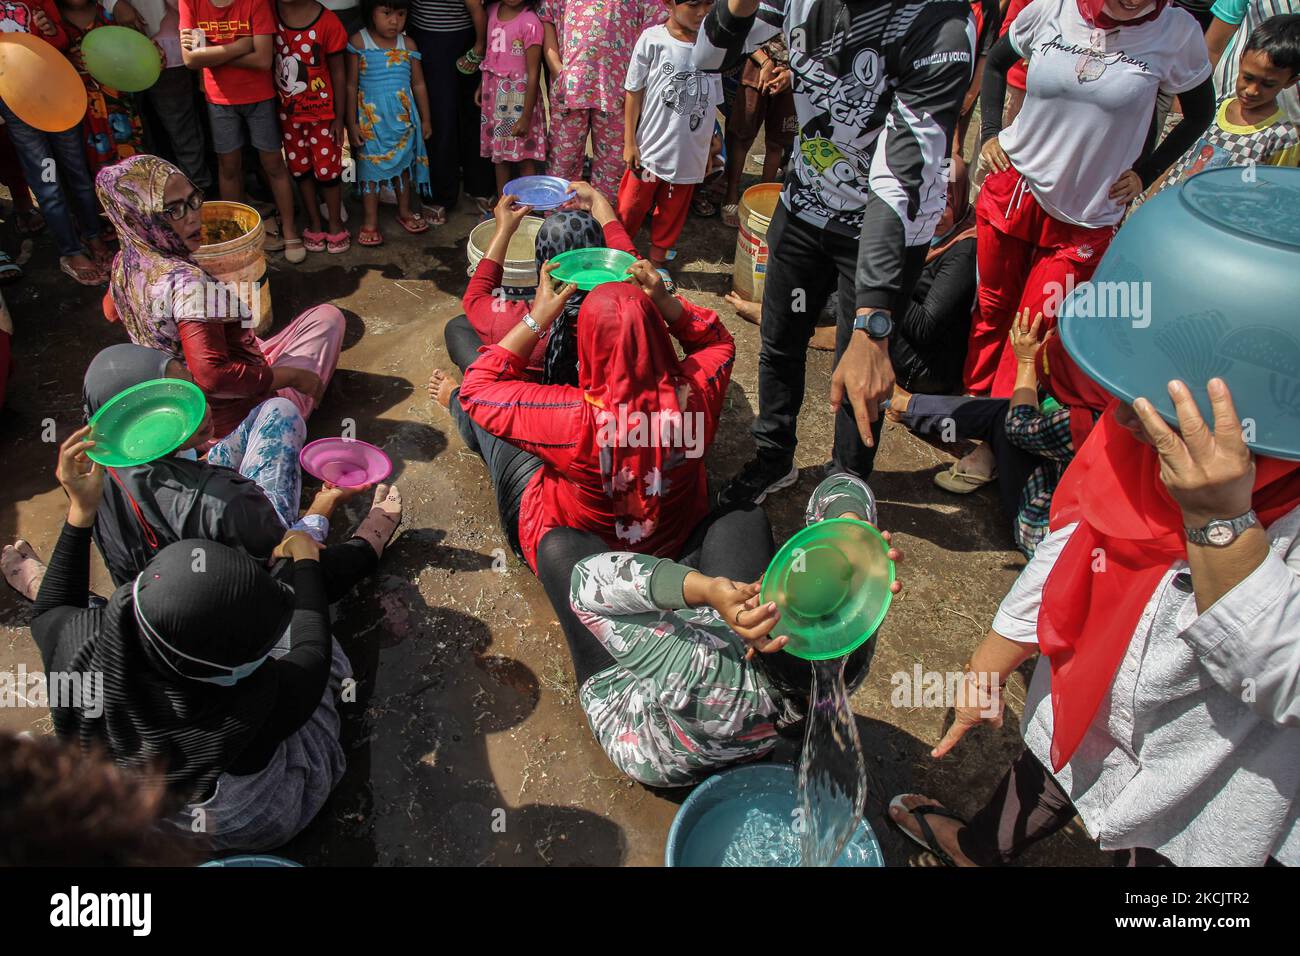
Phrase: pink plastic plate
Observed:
(345, 462)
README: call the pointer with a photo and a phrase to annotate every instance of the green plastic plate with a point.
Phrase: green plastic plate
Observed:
(145, 422)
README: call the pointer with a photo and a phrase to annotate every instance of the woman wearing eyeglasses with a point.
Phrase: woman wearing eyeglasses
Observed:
(204, 667)
(167, 301)
(1063, 173)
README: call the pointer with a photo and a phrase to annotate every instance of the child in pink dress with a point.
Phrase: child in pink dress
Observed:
(513, 130)
(588, 47)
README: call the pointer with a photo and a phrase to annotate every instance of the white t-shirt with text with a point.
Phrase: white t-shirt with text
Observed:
(1090, 98)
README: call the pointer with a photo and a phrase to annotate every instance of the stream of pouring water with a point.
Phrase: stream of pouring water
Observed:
(832, 773)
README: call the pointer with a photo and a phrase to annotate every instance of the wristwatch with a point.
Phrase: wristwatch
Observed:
(529, 321)
(1220, 532)
(877, 324)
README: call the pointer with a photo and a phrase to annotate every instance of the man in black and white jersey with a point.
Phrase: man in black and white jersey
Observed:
(878, 86)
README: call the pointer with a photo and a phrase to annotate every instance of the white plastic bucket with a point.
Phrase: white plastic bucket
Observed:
(521, 255)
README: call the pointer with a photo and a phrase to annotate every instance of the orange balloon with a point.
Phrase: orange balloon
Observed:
(39, 84)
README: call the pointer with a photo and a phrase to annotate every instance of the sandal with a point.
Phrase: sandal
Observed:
(10, 271)
(414, 224)
(962, 482)
(294, 251)
(90, 276)
(30, 222)
(338, 242)
(485, 203)
(370, 237)
(731, 214)
(313, 241)
(703, 206)
(919, 813)
(436, 215)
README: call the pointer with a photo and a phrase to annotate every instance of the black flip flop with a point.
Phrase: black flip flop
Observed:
(920, 813)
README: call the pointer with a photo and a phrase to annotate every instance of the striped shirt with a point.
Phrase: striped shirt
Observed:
(440, 16)
(1250, 14)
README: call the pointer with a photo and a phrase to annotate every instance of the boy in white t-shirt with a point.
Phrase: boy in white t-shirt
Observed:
(668, 115)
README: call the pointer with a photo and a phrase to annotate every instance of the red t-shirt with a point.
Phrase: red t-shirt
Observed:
(227, 84)
(302, 72)
(16, 17)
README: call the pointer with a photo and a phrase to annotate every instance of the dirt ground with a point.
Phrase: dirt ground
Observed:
(467, 720)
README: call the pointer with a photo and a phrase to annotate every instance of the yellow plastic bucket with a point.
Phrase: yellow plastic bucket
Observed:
(232, 254)
(757, 207)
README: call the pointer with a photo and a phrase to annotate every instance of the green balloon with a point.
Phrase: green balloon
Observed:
(121, 58)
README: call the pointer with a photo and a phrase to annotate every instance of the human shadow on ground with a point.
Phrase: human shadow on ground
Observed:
(350, 409)
(420, 788)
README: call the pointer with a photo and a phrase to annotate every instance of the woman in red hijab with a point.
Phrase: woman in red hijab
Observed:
(621, 455)
(1166, 606)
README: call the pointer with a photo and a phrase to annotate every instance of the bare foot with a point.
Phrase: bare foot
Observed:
(22, 568)
(945, 829)
(440, 387)
(378, 527)
(979, 462)
(749, 311)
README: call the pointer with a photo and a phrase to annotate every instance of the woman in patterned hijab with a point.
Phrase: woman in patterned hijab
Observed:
(155, 282)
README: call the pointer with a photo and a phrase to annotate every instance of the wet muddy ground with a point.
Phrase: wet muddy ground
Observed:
(467, 744)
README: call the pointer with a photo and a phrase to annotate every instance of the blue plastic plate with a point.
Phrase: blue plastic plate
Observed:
(540, 192)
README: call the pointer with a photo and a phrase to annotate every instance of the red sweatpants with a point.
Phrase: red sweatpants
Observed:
(670, 203)
(1025, 259)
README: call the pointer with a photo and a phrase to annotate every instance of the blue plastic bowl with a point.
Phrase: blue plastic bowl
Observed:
(709, 818)
(252, 860)
(1216, 261)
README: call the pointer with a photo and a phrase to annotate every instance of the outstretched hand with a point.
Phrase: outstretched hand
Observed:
(980, 702)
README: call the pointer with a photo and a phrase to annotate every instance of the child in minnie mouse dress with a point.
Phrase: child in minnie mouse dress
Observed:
(309, 45)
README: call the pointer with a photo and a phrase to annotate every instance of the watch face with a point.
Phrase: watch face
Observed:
(879, 325)
(1219, 533)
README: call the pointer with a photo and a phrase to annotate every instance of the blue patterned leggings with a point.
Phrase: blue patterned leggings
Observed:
(264, 449)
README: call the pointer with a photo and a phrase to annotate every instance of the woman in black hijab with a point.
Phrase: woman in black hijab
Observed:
(205, 668)
(242, 500)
